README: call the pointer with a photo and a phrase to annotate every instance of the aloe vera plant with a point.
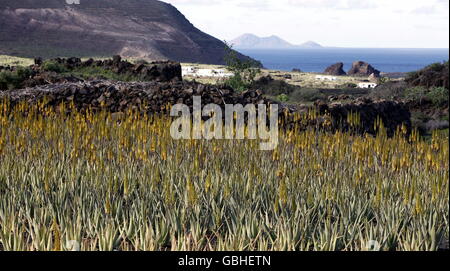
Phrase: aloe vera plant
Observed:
(82, 178)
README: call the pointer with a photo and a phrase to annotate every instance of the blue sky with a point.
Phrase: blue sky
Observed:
(344, 23)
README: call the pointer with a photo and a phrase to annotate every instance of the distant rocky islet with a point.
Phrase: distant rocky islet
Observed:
(359, 68)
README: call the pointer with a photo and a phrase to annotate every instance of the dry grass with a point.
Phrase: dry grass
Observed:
(15, 61)
(308, 80)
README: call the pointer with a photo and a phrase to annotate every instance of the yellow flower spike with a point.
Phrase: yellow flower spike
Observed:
(208, 183)
(56, 236)
(280, 173)
(283, 194)
(418, 205)
(275, 155)
(192, 194)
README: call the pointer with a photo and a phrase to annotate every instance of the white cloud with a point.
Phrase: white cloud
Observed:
(350, 23)
(425, 10)
(333, 4)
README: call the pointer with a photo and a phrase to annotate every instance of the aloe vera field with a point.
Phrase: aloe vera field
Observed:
(120, 182)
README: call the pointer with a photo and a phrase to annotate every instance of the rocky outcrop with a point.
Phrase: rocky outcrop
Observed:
(335, 69)
(374, 78)
(361, 68)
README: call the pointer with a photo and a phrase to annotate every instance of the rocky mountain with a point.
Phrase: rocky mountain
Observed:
(250, 41)
(134, 28)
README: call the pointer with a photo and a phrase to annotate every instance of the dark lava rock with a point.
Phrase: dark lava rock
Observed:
(118, 96)
(335, 69)
(155, 71)
(374, 78)
(161, 71)
(393, 114)
(361, 68)
(38, 61)
(153, 97)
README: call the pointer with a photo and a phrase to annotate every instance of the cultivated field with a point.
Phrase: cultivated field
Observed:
(120, 182)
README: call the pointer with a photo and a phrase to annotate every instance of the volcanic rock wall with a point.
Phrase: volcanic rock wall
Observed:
(151, 97)
(41, 73)
(156, 97)
(154, 71)
(393, 114)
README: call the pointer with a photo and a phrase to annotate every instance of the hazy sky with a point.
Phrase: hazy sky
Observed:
(344, 23)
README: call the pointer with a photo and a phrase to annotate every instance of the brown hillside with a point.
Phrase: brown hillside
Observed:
(133, 28)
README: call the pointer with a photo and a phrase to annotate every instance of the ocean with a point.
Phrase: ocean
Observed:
(317, 60)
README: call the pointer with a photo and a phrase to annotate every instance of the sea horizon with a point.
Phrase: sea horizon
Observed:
(387, 60)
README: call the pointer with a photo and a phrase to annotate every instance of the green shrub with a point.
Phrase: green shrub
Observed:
(273, 87)
(283, 98)
(237, 83)
(52, 66)
(23, 73)
(415, 93)
(348, 85)
(437, 67)
(434, 75)
(438, 96)
(4, 78)
(307, 95)
(391, 90)
(14, 79)
(245, 71)
(384, 80)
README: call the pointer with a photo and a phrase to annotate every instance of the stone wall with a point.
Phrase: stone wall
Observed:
(40, 74)
(154, 97)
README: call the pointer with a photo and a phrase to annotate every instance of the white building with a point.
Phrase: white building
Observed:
(326, 78)
(221, 73)
(194, 72)
(204, 73)
(367, 85)
(188, 70)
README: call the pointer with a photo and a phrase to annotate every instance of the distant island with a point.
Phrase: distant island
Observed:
(251, 41)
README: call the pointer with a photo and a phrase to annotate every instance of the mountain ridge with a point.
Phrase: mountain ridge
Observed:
(147, 29)
(251, 41)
